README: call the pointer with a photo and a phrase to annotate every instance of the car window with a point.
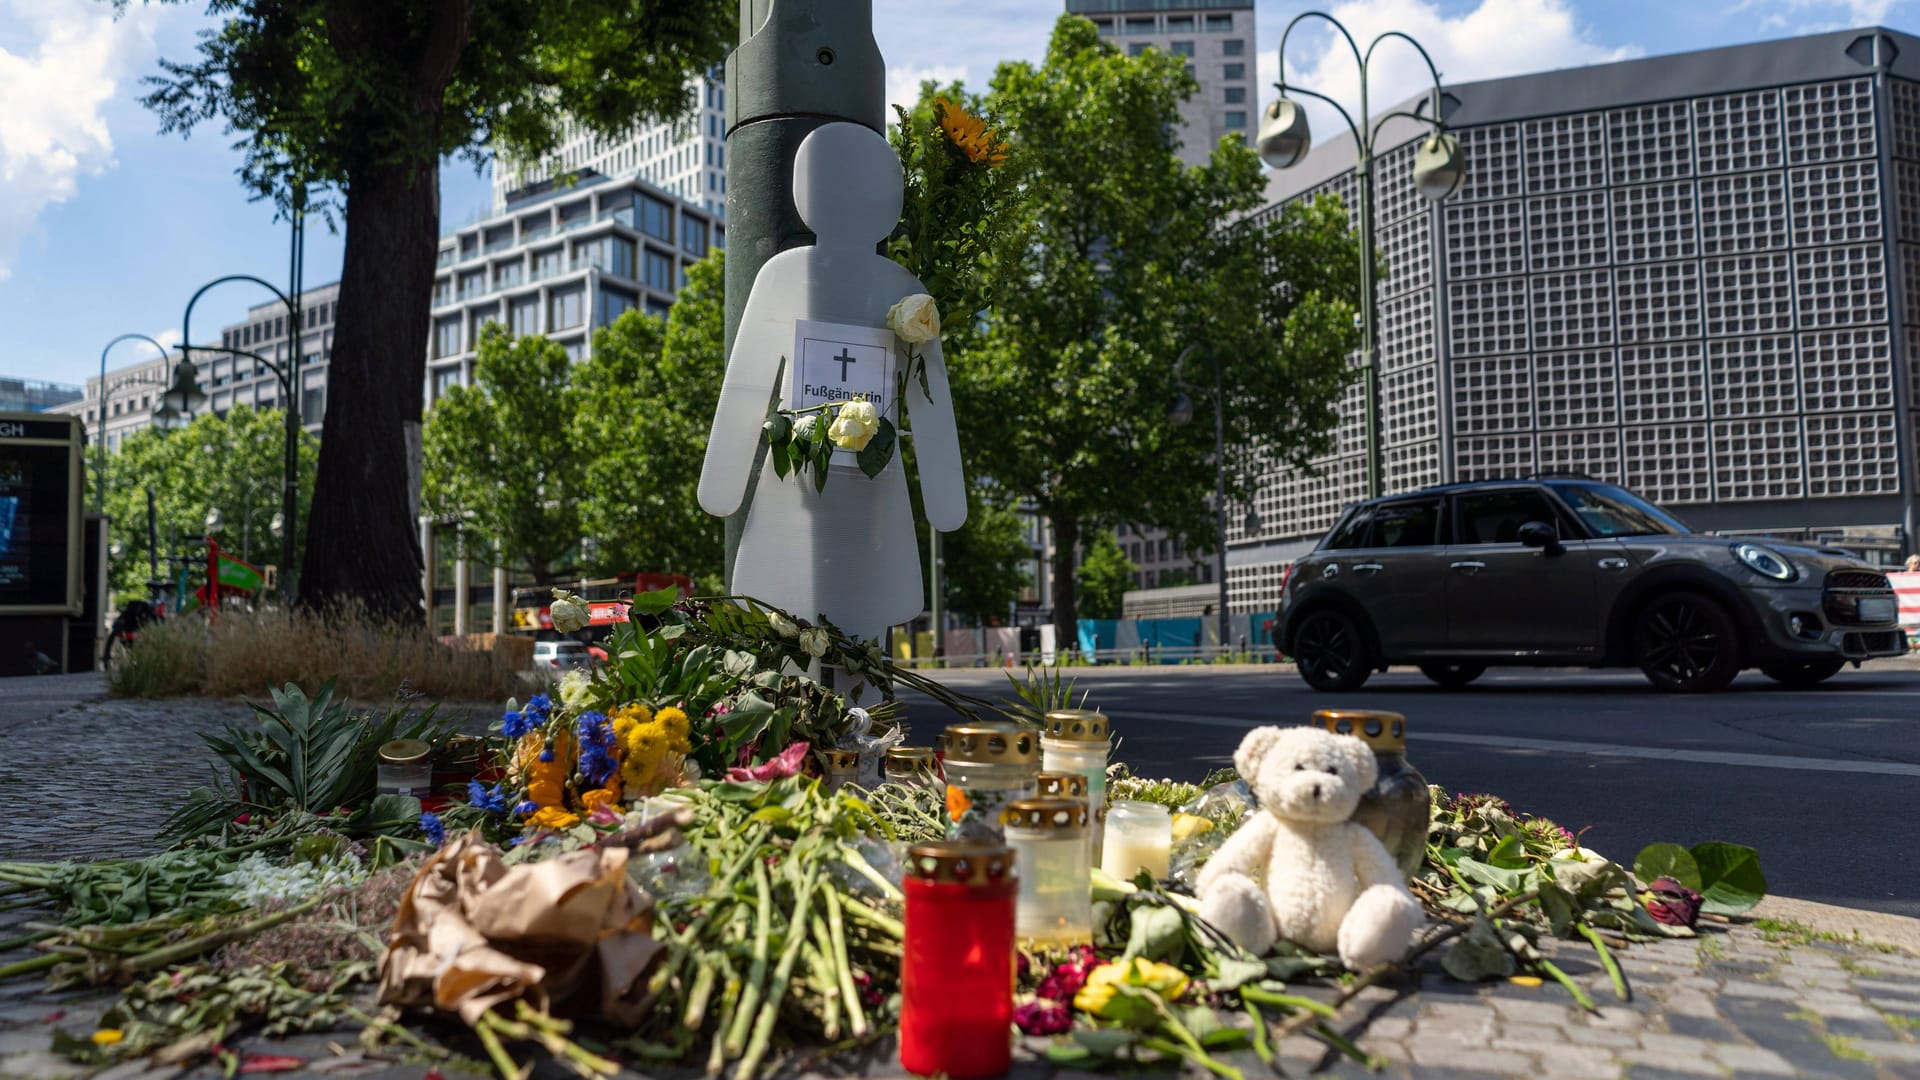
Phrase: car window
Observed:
(1406, 524)
(1352, 532)
(1610, 511)
(1495, 517)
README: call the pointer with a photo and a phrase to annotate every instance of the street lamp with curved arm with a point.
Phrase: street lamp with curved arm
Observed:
(1439, 168)
(100, 455)
(289, 379)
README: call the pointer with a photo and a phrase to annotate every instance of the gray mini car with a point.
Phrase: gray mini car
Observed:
(1571, 572)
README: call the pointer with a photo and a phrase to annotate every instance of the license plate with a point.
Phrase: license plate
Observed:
(1878, 609)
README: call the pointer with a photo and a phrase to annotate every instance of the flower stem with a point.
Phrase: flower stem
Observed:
(1606, 960)
(1573, 988)
(843, 966)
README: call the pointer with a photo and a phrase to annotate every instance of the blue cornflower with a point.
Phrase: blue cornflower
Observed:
(596, 747)
(547, 754)
(493, 802)
(515, 724)
(539, 706)
(436, 832)
(526, 809)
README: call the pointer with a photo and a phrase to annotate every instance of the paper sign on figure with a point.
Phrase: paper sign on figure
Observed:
(839, 362)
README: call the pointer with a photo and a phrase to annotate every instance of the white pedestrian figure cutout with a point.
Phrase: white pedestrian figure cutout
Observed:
(847, 553)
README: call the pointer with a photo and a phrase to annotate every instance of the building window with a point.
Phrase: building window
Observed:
(611, 254)
(574, 215)
(576, 349)
(1234, 47)
(658, 308)
(444, 379)
(446, 336)
(444, 258)
(1140, 25)
(1236, 95)
(523, 316)
(566, 308)
(472, 284)
(659, 271)
(1233, 71)
(507, 274)
(1181, 48)
(656, 220)
(469, 247)
(1219, 24)
(545, 264)
(535, 226)
(693, 237)
(442, 291)
(618, 206)
(1179, 24)
(1105, 26)
(499, 237)
(313, 403)
(1138, 48)
(1237, 118)
(612, 304)
(483, 316)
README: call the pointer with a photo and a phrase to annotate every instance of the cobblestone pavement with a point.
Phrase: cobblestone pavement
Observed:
(1750, 1000)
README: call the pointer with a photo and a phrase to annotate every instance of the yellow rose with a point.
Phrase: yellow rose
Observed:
(1096, 997)
(915, 319)
(854, 425)
(107, 1036)
(553, 817)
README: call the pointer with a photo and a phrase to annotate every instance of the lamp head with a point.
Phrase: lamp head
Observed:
(165, 416)
(185, 395)
(1180, 413)
(278, 524)
(213, 519)
(1284, 135)
(1439, 166)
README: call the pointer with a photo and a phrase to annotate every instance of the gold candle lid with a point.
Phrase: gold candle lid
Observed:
(838, 759)
(961, 862)
(992, 743)
(404, 751)
(940, 743)
(1077, 725)
(1063, 814)
(910, 757)
(1064, 785)
(1379, 730)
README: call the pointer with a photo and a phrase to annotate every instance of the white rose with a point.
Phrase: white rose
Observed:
(782, 625)
(568, 611)
(813, 641)
(915, 319)
(803, 427)
(576, 690)
(854, 425)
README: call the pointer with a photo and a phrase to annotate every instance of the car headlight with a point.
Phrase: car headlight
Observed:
(1765, 561)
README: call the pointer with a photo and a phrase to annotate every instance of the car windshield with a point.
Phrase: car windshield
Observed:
(1611, 511)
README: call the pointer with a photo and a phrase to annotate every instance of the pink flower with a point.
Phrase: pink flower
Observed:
(604, 814)
(786, 764)
(1043, 1018)
(1067, 979)
(1672, 903)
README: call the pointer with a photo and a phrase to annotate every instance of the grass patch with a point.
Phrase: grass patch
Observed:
(1794, 932)
(1842, 1047)
(244, 652)
(1858, 968)
(1711, 948)
(1902, 1021)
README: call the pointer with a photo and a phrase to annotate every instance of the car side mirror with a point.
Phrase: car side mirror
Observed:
(1541, 535)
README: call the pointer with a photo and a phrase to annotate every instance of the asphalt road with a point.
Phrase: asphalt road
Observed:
(1825, 784)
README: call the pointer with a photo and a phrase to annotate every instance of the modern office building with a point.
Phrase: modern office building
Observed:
(1216, 37)
(231, 380)
(1692, 274)
(33, 395)
(687, 160)
(131, 394)
(562, 261)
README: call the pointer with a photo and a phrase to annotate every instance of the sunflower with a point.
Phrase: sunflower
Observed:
(970, 133)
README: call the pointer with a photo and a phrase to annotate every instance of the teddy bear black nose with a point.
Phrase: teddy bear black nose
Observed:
(1316, 791)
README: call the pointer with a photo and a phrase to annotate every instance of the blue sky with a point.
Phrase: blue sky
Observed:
(107, 226)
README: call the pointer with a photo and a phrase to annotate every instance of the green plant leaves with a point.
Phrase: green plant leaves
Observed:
(1657, 861)
(1733, 883)
(655, 602)
(879, 450)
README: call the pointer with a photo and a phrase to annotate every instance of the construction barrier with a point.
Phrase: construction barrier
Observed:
(1907, 587)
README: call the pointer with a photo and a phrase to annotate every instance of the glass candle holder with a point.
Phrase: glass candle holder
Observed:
(1398, 808)
(913, 766)
(839, 766)
(405, 767)
(1076, 741)
(1049, 842)
(988, 766)
(1139, 837)
(1059, 785)
(956, 967)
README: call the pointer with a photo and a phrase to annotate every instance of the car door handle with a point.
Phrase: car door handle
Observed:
(1470, 567)
(1367, 568)
(1614, 563)
(1330, 570)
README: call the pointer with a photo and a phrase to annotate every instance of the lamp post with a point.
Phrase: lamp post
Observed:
(106, 391)
(288, 376)
(1181, 413)
(1439, 168)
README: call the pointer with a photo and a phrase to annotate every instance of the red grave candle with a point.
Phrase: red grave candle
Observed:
(956, 977)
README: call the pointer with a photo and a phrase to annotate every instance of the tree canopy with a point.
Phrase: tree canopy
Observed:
(1129, 257)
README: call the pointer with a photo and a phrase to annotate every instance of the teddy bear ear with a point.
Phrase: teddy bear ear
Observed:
(1254, 748)
(1360, 756)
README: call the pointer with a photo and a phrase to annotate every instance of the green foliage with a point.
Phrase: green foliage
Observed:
(983, 564)
(233, 463)
(1103, 577)
(1130, 256)
(500, 454)
(1730, 878)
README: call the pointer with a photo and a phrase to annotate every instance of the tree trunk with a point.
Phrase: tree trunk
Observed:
(363, 544)
(1066, 549)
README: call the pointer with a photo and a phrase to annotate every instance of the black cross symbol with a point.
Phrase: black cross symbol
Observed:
(843, 360)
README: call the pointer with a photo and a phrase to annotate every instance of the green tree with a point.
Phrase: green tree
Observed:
(1128, 257)
(364, 98)
(233, 463)
(646, 404)
(1103, 577)
(1173, 578)
(983, 564)
(501, 457)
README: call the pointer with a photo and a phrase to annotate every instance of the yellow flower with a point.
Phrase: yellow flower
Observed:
(553, 817)
(1188, 826)
(854, 424)
(969, 133)
(108, 1036)
(1096, 997)
(601, 796)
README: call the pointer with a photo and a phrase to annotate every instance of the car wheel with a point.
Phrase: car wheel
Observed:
(1331, 652)
(1453, 676)
(1686, 644)
(1803, 674)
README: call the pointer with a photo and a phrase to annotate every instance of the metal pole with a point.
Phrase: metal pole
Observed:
(799, 64)
(1220, 491)
(290, 494)
(153, 542)
(933, 560)
(1369, 304)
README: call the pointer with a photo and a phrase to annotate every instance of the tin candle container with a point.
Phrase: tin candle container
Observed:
(956, 967)
(988, 766)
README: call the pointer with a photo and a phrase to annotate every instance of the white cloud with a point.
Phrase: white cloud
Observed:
(1495, 38)
(58, 68)
(1813, 16)
(168, 337)
(903, 80)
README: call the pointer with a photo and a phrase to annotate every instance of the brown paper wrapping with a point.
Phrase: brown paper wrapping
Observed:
(570, 936)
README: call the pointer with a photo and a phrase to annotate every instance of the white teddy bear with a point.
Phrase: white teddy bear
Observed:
(1298, 870)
